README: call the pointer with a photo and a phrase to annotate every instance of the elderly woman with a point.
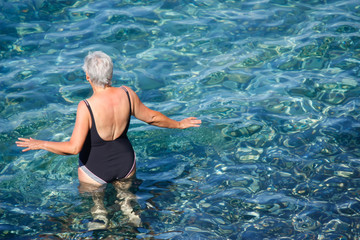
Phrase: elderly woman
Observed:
(102, 122)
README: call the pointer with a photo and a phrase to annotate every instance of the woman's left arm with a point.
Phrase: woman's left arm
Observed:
(71, 147)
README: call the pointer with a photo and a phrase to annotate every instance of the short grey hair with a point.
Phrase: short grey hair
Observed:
(99, 67)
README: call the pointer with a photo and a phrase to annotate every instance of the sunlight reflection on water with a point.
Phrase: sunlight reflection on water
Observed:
(275, 83)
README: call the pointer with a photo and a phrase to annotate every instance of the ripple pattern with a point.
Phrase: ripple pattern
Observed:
(275, 83)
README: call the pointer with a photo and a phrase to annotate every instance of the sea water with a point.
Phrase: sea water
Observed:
(275, 82)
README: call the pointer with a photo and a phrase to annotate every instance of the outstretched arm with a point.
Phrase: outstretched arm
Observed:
(63, 148)
(143, 113)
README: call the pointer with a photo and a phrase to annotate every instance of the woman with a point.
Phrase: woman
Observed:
(101, 125)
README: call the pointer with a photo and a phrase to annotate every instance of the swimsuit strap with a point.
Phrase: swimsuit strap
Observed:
(91, 113)
(94, 133)
(128, 96)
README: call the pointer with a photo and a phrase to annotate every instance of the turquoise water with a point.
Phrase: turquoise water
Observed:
(276, 84)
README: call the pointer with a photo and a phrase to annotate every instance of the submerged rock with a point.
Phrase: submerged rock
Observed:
(246, 131)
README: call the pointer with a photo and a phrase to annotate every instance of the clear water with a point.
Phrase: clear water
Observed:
(275, 83)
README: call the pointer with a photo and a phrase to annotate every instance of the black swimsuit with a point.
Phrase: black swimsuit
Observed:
(106, 161)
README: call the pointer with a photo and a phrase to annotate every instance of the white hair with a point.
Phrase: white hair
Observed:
(99, 67)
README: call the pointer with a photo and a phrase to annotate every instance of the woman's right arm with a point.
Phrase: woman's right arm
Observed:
(73, 146)
(143, 113)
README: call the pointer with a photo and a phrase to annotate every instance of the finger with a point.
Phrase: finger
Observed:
(20, 144)
(26, 149)
(194, 119)
(24, 139)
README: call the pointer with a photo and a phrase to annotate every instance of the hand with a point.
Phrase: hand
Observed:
(189, 122)
(28, 144)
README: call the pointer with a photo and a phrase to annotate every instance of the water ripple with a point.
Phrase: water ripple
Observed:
(275, 83)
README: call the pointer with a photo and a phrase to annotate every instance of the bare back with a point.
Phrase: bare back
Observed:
(111, 109)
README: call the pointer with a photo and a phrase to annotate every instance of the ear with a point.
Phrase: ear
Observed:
(87, 77)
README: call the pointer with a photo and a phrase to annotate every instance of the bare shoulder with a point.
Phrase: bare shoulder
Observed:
(81, 105)
(128, 89)
(131, 92)
(82, 108)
